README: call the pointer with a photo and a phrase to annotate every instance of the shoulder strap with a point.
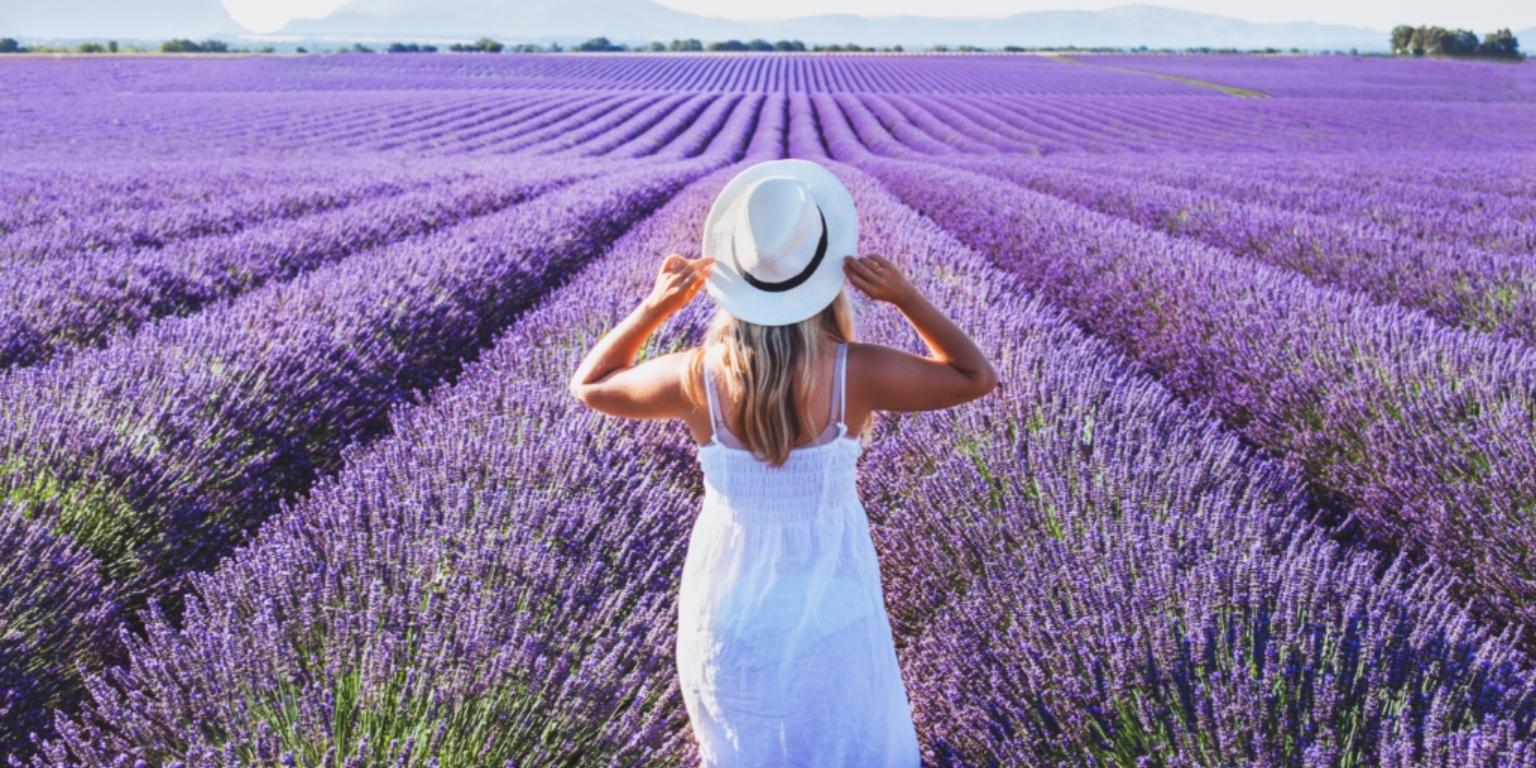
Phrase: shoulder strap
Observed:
(842, 383)
(709, 394)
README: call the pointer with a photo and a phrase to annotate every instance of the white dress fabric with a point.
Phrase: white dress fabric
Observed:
(784, 648)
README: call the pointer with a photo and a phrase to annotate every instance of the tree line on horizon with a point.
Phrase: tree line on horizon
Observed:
(1424, 40)
(1429, 40)
(602, 44)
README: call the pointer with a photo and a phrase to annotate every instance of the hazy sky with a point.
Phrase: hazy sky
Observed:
(1479, 15)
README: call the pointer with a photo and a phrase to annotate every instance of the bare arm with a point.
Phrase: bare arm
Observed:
(608, 379)
(954, 371)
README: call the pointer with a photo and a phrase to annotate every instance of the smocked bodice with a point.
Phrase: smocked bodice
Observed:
(742, 486)
(812, 478)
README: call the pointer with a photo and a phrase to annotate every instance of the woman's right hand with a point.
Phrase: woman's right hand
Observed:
(879, 279)
(677, 281)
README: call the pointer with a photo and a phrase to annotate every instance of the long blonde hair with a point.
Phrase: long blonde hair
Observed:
(761, 363)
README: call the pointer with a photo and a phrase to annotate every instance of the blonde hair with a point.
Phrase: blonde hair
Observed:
(760, 364)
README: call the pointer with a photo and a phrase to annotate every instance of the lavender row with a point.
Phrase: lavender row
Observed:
(1133, 124)
(81, 300)
(35, 193)
(216, 213)
(518, 555)
(574, 130)
(159, 453)
(553, 121)
(763, 73)
(1470, 182)
(1336, 187)
(1462, 286)
(55, 612)
(1422, 431)
(1349, 77)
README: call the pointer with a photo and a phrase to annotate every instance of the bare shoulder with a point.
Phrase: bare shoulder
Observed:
(650, 390)
(883, 378)
(866, 364)
(678, 366)
(871, 359)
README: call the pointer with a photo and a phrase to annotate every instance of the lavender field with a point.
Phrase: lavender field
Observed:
(289, 474)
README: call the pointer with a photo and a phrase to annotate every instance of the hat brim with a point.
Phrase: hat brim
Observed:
(734, 294)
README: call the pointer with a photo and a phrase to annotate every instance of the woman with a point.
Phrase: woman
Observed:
(784, 648)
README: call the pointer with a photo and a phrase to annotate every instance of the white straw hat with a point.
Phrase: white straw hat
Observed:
(779, 233)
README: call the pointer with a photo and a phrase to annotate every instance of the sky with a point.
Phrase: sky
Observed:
(1477, 15)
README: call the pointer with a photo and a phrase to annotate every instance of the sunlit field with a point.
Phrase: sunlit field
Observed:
(289, 473)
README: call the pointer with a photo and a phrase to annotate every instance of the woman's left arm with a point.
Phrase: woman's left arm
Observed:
(608, 379)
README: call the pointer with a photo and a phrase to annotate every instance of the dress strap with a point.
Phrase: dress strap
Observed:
(709, 394)
(841, 393)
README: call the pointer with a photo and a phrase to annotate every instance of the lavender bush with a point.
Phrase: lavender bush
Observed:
(1422, 431)
(65, 302)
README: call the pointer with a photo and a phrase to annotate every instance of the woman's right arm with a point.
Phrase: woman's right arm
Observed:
(955, 370)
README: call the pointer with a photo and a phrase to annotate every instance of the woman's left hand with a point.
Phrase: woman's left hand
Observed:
(679, 279)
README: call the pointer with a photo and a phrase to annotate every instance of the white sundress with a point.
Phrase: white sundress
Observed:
(784, 648)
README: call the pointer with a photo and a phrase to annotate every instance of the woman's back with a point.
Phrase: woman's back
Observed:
(784, 647)
(719, 405)
(741, 485)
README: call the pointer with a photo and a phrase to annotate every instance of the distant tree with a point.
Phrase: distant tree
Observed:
(300, 49)
(1439, 41)
(656, 46)
(939, 48)
(9, 45)
(527, 48)
(183, 45)
(759, 44)
(1500, 45)
(1429, 40)
(600, 44)
(727, 45)
(789, 45)
(112, 46)
(969, 49)
(1462, 42)
(897, 48)
(483, 45)
(691, 44)
(90, 48)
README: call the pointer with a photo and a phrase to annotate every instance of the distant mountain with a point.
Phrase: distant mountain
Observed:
(637, 21)
(116, 19)
(640, 21)
(517, 20)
